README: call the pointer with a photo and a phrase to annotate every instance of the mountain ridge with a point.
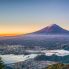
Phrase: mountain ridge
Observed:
(52, 29)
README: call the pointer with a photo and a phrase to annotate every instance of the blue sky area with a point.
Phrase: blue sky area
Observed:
(23, 16)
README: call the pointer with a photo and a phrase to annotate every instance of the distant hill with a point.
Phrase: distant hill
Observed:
(61, 59)
(53, 29)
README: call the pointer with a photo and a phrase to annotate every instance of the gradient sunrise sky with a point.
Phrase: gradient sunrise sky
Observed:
(24, 16)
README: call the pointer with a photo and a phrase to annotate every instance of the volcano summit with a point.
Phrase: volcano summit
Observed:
(53, 29)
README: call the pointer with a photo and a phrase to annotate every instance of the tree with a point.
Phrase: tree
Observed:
(58, 66)
(1, 64)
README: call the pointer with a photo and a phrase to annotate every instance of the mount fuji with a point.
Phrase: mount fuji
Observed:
(52, 29)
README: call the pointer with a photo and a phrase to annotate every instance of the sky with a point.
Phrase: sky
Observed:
(25, 16)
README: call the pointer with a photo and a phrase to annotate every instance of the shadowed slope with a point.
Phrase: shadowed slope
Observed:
(53, 29)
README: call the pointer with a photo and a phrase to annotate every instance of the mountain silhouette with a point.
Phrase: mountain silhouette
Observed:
(53, 29)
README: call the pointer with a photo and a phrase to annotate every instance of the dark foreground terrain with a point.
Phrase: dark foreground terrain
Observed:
(57, 66)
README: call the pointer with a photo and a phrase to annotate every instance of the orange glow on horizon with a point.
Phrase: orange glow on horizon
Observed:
(13, 30)
(11, 34)
(8, 34)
